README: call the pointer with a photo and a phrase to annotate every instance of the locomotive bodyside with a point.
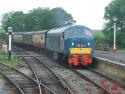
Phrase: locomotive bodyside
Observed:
(55, 40)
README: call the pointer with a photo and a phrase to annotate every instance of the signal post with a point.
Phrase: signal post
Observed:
(9, 40)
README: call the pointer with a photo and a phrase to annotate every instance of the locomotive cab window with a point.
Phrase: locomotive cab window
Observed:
(77, 31)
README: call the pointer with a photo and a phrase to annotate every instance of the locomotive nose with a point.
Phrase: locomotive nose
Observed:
(80, 51)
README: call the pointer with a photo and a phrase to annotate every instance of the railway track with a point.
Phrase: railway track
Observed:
(106, 84)
(23, 83)
(46, 76)
(112, 84)
(10, 87)
(84, 84)
(111, 78)
(102, 83)
(94, 91)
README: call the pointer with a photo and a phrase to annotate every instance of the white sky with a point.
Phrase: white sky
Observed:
(87, 12)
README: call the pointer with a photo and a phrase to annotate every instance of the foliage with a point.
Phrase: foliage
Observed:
(121, 40)
(115, 10)
(36, 19)
(2, 36)
(15, 20)
(99, 37)
(59, 17)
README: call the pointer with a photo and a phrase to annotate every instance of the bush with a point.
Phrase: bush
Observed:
(99, 37)
(121, 40)
(2, 36)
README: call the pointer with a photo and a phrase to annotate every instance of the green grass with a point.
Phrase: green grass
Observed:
(4, 59)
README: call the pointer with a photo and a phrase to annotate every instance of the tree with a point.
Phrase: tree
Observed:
(59, 17)
(15, 20)
(115, 10)
(36, 19)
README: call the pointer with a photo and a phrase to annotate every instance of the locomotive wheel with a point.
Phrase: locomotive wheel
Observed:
(55, 56)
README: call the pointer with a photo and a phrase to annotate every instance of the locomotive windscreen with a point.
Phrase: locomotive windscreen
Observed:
(78, 31)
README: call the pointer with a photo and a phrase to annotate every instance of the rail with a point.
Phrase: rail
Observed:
(65, 86)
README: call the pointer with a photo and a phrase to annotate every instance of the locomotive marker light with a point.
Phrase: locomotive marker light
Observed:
(114, 46)
(10, 37)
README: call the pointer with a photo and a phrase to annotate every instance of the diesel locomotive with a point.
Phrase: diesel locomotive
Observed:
(73, 43)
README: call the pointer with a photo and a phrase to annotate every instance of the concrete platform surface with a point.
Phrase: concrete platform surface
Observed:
(118, 56)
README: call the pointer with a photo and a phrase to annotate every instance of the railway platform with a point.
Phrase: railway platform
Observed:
(118, 56)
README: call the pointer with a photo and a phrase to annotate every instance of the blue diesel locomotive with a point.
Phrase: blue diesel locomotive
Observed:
(73, 43)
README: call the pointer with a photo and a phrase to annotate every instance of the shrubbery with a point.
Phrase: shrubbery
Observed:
(2, 36)
(108, 38)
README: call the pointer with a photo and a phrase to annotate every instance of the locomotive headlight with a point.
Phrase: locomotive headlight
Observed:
(88, 43)
(72, 43)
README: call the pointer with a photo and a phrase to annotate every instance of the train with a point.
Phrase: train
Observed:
(73, 43)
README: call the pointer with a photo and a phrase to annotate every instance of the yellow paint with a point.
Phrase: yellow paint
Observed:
(80, 50)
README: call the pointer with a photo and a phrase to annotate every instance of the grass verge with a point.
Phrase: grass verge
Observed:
(4, 59)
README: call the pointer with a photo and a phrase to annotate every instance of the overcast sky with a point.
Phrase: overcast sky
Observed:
(87, 12)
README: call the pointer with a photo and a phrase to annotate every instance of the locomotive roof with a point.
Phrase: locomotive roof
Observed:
(64, 29)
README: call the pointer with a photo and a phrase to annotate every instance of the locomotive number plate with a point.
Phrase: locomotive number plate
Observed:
(80, 50)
